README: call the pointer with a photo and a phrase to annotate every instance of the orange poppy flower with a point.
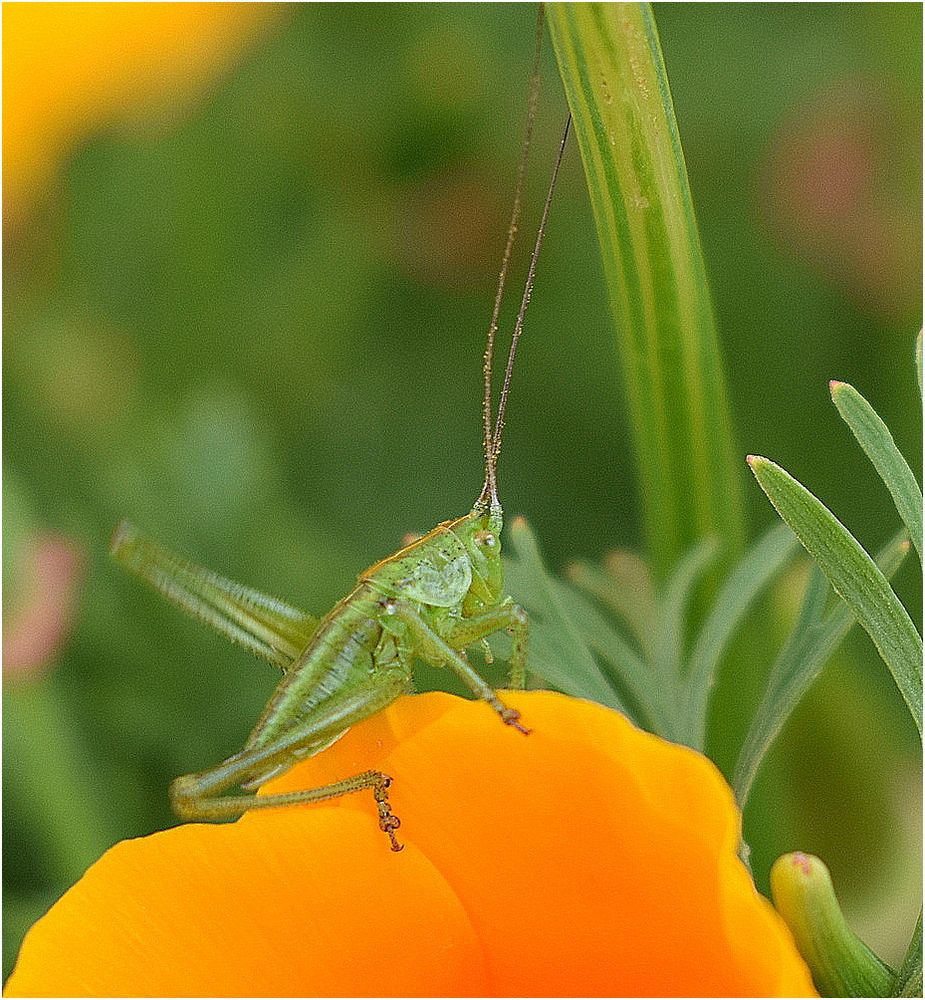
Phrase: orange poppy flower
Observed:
(587, 859)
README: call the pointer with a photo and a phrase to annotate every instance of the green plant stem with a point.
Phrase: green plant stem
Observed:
(614, 76)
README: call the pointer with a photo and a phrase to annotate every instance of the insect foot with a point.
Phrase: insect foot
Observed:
(511, 717)
(388, 821)
(184, 792)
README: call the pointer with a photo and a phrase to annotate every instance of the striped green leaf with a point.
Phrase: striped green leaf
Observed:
(875, 438)
(814, 638)
(853, 575)
(614, 76)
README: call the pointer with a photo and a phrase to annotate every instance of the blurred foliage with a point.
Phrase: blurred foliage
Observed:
(257, 332)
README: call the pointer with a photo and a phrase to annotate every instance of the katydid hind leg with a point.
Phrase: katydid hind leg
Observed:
(199, 795)
(263, 625)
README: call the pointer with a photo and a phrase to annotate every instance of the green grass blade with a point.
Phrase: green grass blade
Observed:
(671, 615)
(611, 65)
(556, 651)
(908, 982)
(812, 641)
(875, 438)
(853, 575)
(644, 695)
(754, 572)
(795, 667)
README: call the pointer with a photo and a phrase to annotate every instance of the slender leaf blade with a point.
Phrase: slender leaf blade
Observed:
(672, 604)
(811, 643)
(625, 587)
(752, 574)
(853, 575)
(556, 651)
(908, 982)
(611, 65)
(644, 693)
(875, 438)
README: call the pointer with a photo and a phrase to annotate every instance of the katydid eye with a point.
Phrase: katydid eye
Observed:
(485, 539)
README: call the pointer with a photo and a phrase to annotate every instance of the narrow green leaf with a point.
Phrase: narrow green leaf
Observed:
(853, 575)
(615, 81)
(673, 602)
(644, 694)
(625, 587)
(875, 438)
(263, 625)
(908, 981)
(556, 651)
(814, 638)
(918, 359)
(752, 574)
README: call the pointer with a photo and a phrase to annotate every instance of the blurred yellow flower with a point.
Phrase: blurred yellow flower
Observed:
(72, 68)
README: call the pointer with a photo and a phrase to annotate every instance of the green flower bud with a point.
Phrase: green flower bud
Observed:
(841, 964)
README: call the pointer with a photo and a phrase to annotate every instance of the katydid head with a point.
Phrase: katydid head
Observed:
(480, 534)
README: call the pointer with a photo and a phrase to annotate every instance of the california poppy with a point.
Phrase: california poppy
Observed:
(588, 858)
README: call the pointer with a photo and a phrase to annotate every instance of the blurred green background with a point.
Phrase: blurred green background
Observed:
(255, 328)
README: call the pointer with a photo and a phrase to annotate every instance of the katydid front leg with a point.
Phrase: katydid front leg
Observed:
(431, 647)
(509, 617)
(198, 796)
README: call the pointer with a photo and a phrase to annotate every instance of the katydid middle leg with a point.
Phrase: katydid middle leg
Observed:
(198, 796)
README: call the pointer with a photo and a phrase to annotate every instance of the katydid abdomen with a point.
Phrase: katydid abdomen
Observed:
(346, 651)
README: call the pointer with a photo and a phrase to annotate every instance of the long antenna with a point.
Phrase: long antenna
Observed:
(525, 301)
(489, 494)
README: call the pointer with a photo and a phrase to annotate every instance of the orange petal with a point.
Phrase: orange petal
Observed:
(587, 859)
(305, 902)
(592, 858)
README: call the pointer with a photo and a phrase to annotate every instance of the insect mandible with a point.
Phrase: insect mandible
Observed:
(431, 600)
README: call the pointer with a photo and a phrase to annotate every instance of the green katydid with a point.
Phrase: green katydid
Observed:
(430, 600)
